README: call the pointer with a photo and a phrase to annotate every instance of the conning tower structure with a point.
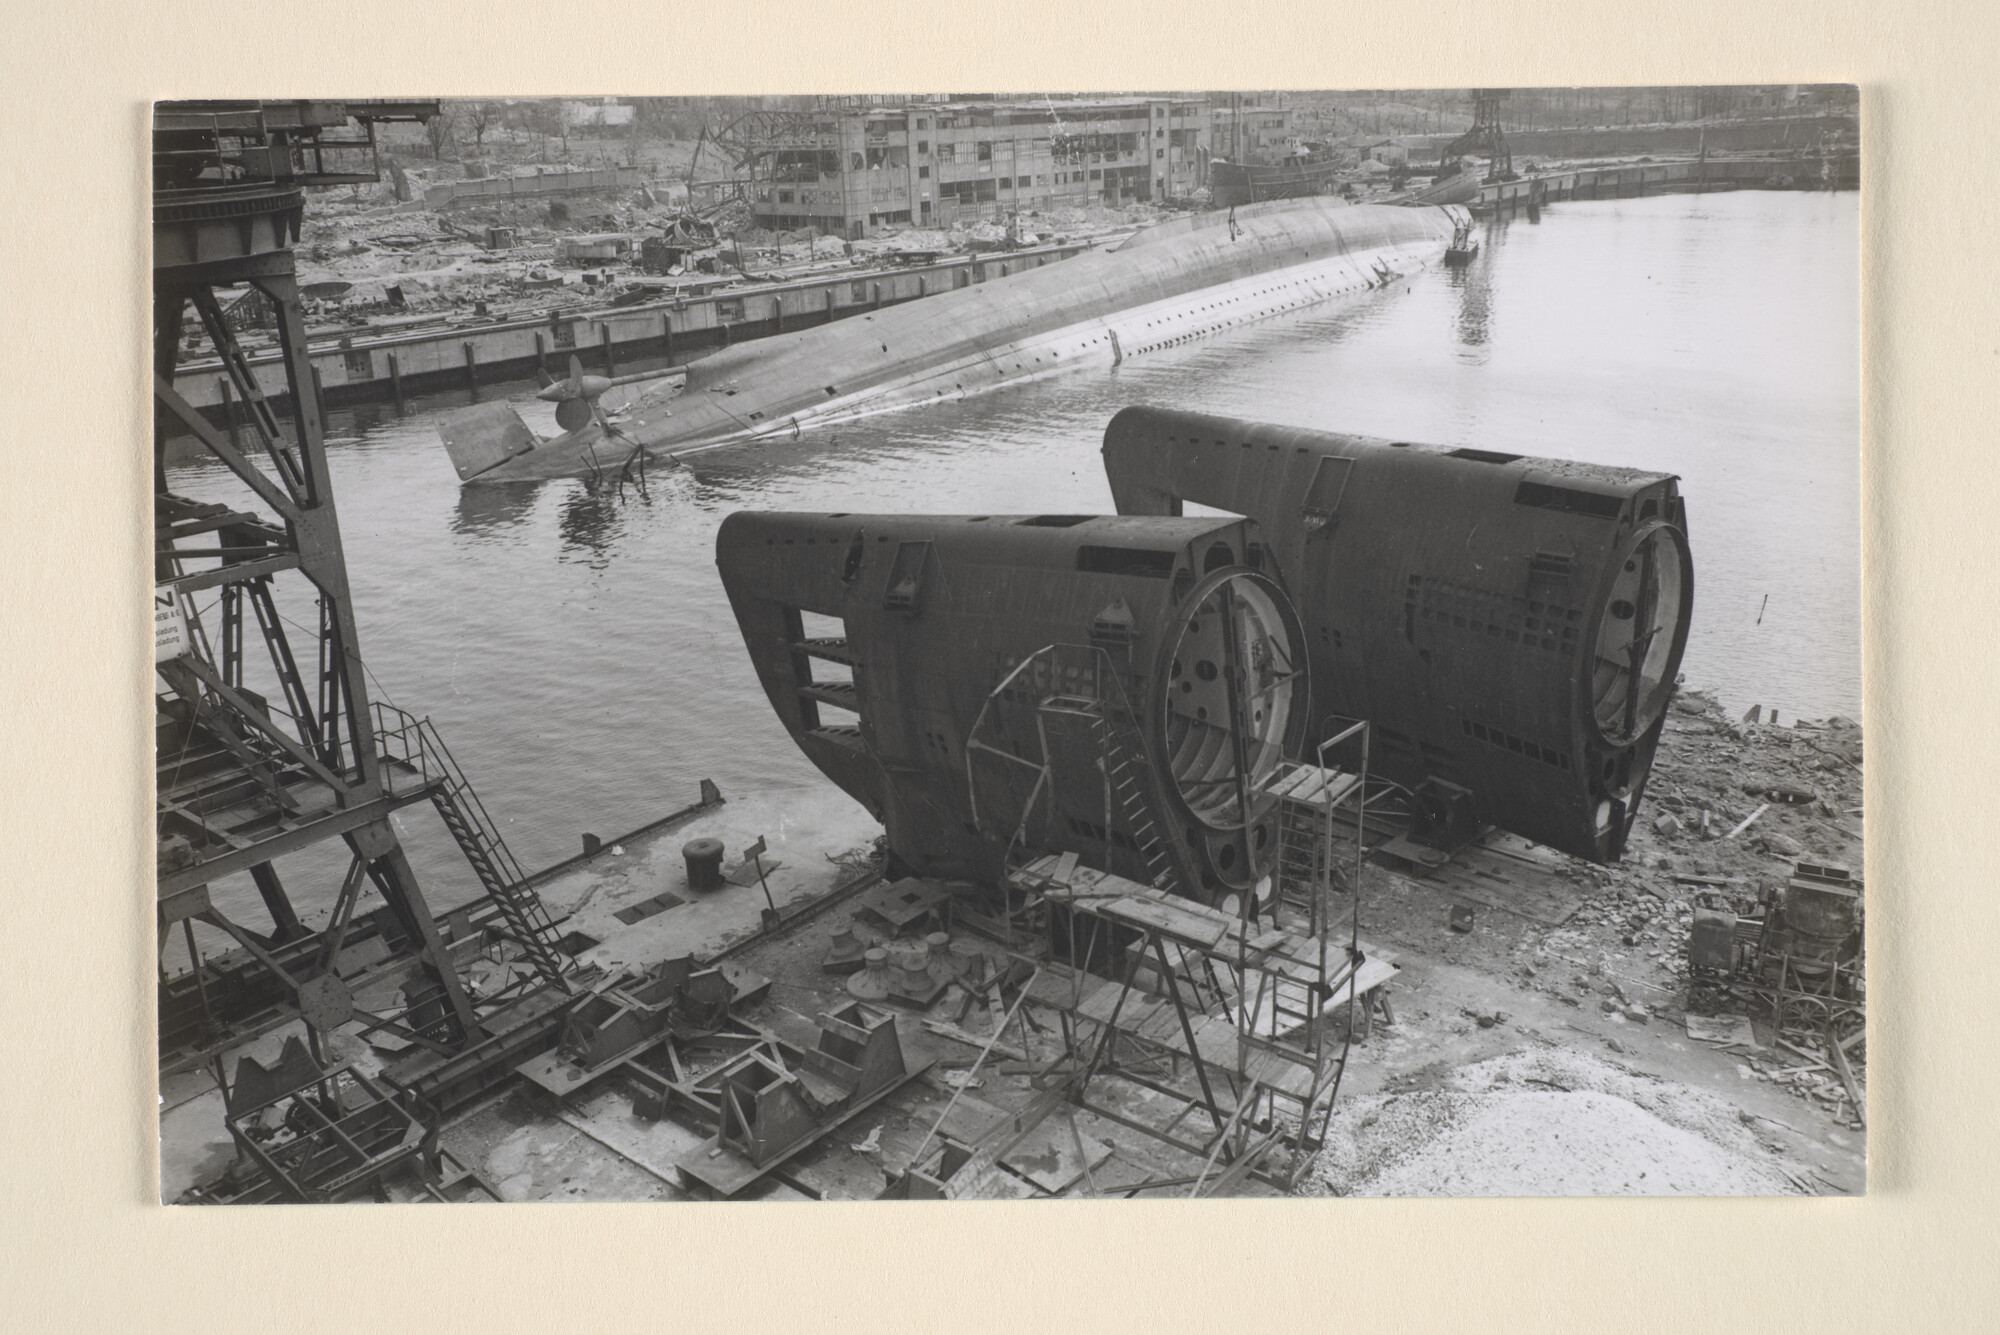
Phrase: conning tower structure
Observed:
(1510, 626)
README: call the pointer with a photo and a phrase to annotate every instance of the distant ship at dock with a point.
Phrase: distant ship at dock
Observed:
(1231, 184)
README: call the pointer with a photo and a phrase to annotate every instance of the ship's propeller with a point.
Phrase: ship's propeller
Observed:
(576, 397)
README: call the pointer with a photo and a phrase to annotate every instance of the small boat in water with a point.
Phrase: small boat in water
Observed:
(1181, 280)
(1464, 245)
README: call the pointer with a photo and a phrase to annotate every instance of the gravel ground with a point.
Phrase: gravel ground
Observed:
(1543, 1123)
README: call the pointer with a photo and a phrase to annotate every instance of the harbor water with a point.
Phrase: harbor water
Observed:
(575, 648)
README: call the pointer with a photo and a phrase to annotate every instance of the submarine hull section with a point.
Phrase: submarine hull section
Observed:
(1184, 279)
(995, 687)
(1512, 627)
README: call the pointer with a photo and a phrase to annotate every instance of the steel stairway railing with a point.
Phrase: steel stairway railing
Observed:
(414, 744)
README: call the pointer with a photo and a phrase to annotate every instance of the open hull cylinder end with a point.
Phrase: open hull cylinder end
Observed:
(994, 687)
(1512, 627)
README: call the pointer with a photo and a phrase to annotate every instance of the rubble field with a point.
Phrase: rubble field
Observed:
(360, 241)
(1530, 1059)
(1549, 1051)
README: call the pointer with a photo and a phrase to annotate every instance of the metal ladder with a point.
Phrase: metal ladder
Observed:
(1123, 778)
(414, 744)
(1299, 886)
(1301, 871)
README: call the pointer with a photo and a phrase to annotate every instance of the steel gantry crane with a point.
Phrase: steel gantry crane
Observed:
(264, 755)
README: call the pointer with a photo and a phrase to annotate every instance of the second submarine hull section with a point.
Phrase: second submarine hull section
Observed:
(1483, 610)
(1167, 285)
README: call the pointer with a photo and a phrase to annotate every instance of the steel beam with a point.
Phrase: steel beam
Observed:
(238, 572)
(330, 826)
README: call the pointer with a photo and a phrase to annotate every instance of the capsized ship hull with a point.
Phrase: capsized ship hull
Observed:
(1178, 281)
(1458, 188)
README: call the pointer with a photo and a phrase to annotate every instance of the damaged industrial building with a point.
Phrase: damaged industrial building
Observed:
(1279, 810)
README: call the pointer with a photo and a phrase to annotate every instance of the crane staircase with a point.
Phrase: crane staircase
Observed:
(413, 753)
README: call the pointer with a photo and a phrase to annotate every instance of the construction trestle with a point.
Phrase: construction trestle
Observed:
(1245, 1005)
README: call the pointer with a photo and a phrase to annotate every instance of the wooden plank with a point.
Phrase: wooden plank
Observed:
(1162, 1026)
(1231, 1177)
(1086, 883)
(1138, 1007)
(1284, 1076)
(1048, 1157)
(1215, 1041)
(1216, 1048)
(1313, 787)
(1182, 926)
(974, 1174)
(1854, 1093)
(1371, 975)
(838, 1174)
(969, 1118)
(1305, 954)
(1297, 780)
(1062, 987)
(972, 1040)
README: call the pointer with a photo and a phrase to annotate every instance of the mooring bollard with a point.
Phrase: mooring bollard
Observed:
(704, 863)
(777, 315)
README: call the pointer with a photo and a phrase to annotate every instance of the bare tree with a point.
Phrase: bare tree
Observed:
(482, 116)
(438, 129)
(551, 119)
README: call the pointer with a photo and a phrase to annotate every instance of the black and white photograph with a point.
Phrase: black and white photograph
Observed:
(934, 646)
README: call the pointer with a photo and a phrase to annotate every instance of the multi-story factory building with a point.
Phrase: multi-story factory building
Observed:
(1246, 133)
(850, 171)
